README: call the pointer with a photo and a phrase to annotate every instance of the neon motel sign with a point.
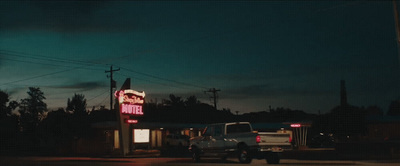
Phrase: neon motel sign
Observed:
(130, 102)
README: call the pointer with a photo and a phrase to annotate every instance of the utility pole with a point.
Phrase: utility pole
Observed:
(112, 84)
(214, 91)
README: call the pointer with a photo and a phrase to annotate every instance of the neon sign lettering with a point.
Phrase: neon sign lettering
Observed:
(130, 101)
(131, 109)
(130, 96)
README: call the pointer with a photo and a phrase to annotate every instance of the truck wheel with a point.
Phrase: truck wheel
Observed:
(244, 156)
(273, 158)
(196, 155)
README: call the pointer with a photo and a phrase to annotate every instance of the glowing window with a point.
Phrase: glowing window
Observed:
(141, 135)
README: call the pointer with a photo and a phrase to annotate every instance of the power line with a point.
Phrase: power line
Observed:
(38, 63)
(153, 82)
(46, 58)
(97, 96)
(60, 60)
(164, 79)
(34, 77)
(102, 101)
(43, 75)
(148, 75)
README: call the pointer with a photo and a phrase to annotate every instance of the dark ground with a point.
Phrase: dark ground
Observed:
(356, 153)
(343, 152)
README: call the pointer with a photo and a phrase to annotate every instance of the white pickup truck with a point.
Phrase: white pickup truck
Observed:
(239, 140)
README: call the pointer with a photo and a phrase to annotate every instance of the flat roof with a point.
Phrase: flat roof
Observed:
(158, 125)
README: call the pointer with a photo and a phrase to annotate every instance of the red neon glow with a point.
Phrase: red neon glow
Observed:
(119, 95)
(131, 121)
(295, 125)
(258, 139)
(130, 96)
(130, 101)
(131, 109)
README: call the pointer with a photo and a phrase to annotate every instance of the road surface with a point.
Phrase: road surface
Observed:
(87, 161)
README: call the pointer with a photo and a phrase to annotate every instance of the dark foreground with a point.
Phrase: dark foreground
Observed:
(84, 161)
(306, 154)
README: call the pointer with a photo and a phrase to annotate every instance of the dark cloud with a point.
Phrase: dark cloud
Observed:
(273, 91)
(252, 90)
(1, 60)
(65, 16)
(84, 86)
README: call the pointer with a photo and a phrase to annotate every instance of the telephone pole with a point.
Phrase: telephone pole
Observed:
(112, 84)
(214, 91)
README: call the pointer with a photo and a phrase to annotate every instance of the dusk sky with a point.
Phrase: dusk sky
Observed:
(289, 54)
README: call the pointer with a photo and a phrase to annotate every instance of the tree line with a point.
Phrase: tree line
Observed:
(27, 124)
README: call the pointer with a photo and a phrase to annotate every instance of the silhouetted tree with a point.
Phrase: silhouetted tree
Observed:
(344, 122)
(32, 109)
(277, 115)
(190, 110)
(373, 111)
(191, 101)
(175, 101)
(4, 98)
(79, 122)
(12, 105)
(5, 110)
(394, 108)
(77, 104)
(56, 129)
(8, 124)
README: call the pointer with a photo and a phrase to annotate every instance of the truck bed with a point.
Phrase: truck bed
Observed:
(272, 140)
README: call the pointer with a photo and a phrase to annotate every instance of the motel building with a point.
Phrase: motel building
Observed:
(121, 137)
(152, 136)
(142, 136)
(125, 135)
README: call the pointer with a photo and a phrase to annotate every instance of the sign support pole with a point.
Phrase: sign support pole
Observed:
(130, 103)
(123, 128)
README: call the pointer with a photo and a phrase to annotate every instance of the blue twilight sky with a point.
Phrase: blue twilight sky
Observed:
(289, 54)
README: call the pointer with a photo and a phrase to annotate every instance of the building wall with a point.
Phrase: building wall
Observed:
(383, 131)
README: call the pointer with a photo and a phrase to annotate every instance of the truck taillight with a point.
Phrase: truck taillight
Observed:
(290, 139)
(258, 139)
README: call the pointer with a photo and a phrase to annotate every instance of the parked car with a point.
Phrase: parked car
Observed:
(177, 140)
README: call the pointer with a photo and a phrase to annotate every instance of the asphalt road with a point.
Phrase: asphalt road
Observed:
(87, 161)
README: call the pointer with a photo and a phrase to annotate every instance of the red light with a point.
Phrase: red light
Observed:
(290, 139)
(131, 121)
(130, 96)
(258, 139)
(131, 109)
(295, 125)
